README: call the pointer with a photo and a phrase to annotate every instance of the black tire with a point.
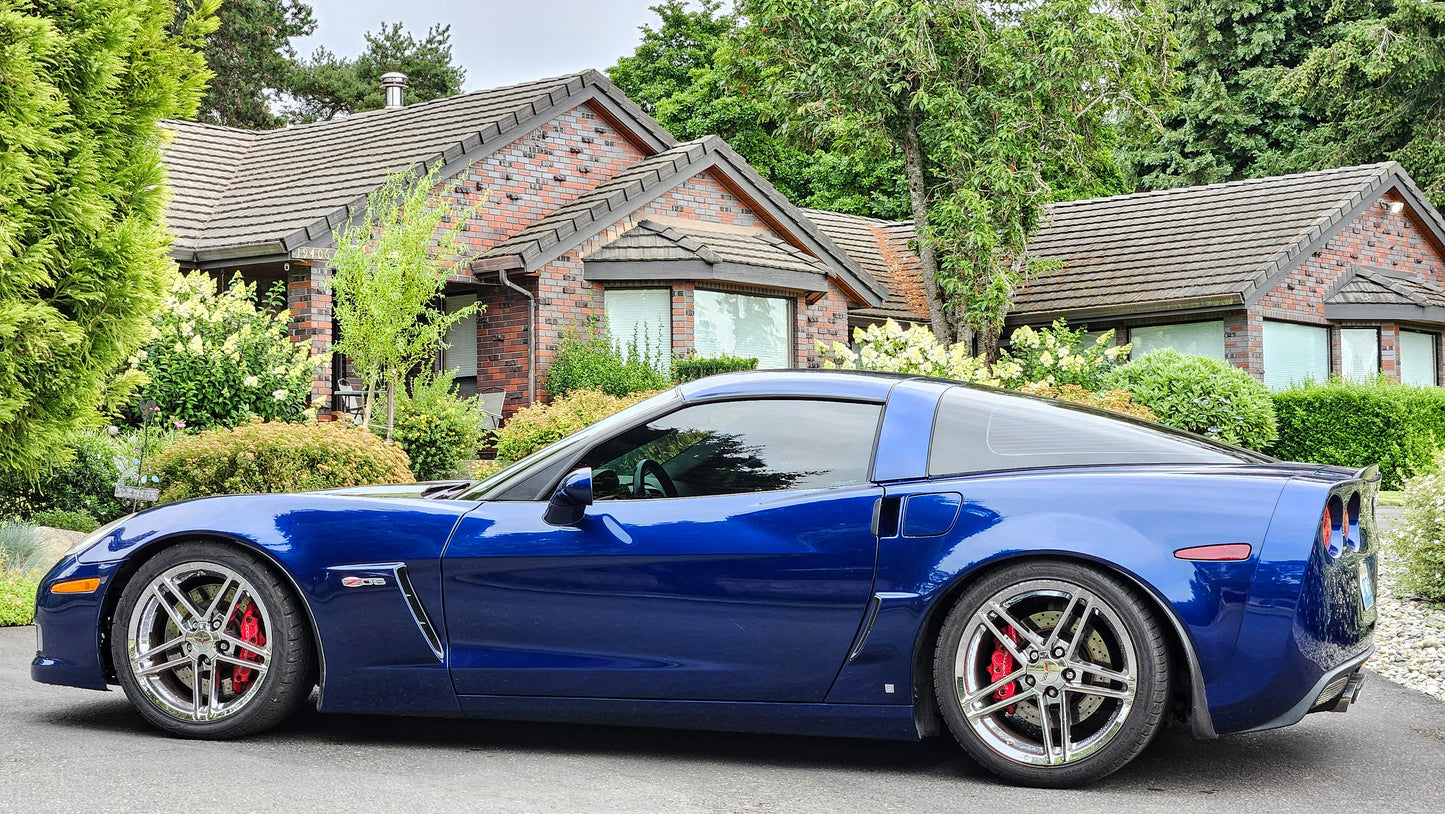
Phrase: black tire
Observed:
(243, 691)
(1021, 741)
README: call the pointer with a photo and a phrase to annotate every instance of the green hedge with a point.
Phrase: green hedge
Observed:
(1357, 424)
(685, 370)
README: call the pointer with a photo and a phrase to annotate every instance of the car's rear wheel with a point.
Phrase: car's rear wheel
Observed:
(208, 642)
(1051, 673)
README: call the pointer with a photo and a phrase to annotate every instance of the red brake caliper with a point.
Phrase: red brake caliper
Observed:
(1001, 665)
(250, 634)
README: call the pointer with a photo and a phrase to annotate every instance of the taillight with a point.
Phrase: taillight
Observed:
(1333, 527)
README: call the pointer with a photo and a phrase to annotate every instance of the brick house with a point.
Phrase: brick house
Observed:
(1335, 272)
(592, 211)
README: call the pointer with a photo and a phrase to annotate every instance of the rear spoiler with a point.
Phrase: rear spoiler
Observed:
(1369, 474)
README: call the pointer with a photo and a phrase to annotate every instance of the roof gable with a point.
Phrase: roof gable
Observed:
(585, 216)
(240, 193)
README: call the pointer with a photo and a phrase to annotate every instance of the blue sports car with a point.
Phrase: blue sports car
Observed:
(860, 555)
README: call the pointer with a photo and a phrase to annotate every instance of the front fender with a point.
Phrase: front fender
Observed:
(375, 653)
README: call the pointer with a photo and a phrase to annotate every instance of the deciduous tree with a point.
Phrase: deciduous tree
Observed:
(992, 105)
(388, 273)
(83, 249)
(685, 74)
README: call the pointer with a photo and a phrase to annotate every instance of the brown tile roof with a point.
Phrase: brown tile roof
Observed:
(240, 192)
(1206, 245)
(650, 240)
(1219, 244)
(881, 248)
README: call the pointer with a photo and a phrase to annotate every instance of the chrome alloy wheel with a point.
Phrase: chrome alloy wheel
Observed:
(1046, 672)
(197, 642)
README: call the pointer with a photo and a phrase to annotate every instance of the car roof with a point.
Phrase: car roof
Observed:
(847, 384)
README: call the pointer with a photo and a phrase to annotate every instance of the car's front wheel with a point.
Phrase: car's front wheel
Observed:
(1051, 673)
(208, 642)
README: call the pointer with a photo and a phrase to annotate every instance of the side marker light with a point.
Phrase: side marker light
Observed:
(76, 586)
(1226, 552)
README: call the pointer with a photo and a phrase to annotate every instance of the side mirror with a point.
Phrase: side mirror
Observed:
(571, 499)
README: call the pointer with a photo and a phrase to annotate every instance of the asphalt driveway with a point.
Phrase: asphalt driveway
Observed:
(76, 750)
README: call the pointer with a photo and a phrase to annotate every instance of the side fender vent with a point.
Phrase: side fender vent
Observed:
(403, 581)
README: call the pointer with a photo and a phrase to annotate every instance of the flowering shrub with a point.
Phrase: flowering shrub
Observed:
(1059, 356)
(278, 457)
(218, 360)
(1053, 356)
(1203, 395)
(1419, 537)
(536, 426)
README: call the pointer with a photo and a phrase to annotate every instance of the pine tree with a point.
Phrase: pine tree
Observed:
(327, 84)
(83, 250)
(1228, 123)
(251, 56)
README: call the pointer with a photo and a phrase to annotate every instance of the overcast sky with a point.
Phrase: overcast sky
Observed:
(498, 42)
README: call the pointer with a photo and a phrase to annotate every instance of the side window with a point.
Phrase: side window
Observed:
(980, 431)
(738, 446)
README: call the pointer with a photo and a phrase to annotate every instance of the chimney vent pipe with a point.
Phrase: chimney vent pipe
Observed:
(393, 83)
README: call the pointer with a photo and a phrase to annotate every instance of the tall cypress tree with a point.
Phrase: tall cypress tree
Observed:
(83, 260)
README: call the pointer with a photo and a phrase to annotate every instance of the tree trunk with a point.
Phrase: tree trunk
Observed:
(927, 258)
(367, 402)
(390, 404)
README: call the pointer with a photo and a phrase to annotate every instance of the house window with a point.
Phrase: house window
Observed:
(460, 358)
(1417, 358)
(1359, 354)
(1191, 338)
(641, 318)
(1295, 353)
(743, 325)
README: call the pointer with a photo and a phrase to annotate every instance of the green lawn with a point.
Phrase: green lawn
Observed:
(1392, 498)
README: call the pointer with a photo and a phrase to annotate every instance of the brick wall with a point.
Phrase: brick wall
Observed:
(310, 307)
(502, 343)
(825, 320)
(1375, 238)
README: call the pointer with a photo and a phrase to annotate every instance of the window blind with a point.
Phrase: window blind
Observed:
(1295, 353)
(1417, 358)
(1190, 338)
(1359, 353)
(461, 357)
(742, 325)
(642, 316)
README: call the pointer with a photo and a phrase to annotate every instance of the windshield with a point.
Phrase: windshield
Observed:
(497, 485)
